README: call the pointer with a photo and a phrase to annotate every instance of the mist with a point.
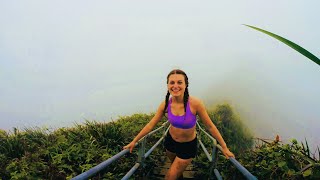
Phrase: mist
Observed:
(272, 104)
(67, 62)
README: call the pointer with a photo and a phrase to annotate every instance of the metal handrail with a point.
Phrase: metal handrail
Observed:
(212, 158)
(135, 167)
(100, 167)
(142, 155)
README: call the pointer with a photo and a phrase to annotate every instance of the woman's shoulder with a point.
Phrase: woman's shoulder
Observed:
(196, 103)
(194, 100)
(162, 104)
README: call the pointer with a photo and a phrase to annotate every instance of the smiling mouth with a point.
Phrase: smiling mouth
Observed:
(175, 90)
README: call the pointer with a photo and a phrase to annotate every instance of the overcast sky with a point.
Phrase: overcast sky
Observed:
(62, 62)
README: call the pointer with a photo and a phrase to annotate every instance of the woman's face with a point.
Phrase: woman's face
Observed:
(176, 85)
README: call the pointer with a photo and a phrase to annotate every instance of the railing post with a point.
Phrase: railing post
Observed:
(164, 135)
(142, 151)
(214, 157)
(165, 131)
(199, 139)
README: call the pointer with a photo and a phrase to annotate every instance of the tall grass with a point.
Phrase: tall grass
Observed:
(66, 152)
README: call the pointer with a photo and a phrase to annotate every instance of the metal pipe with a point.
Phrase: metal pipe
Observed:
(163, 125)
(153, 147)
(91, 172)
(218, 175)
(132, 170)
(214, 140)
(242, 169)
(142, 150)
(205, 151)
(157, 143)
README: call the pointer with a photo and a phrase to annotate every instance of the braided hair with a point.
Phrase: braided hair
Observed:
(186, 92)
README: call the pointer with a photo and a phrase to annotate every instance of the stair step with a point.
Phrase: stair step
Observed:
(162, 172)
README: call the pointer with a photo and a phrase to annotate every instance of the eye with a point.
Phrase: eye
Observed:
(171, 82)
(180, 82)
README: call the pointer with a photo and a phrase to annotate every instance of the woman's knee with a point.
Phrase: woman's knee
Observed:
(172, 175)
(177, 167)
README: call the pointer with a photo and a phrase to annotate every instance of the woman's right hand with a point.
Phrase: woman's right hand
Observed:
(130, 146)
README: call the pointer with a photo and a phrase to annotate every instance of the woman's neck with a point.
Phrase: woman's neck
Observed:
(178, 99)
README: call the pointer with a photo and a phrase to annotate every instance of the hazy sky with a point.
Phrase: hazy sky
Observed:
(66, 61)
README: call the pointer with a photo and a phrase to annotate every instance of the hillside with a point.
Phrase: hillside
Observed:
(37, 153)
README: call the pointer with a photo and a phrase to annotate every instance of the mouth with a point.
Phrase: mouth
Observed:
(175, 90)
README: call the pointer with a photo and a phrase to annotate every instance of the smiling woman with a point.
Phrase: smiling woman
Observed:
(181, 110)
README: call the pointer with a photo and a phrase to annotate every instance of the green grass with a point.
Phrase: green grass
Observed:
(66, 152)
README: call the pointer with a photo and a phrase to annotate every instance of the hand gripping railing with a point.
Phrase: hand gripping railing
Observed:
(212, 158)
(141, 156)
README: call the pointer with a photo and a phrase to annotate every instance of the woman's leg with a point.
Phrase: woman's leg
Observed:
(171, 155)
(177, 168)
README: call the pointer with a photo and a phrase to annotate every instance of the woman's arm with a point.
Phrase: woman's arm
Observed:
(201, 110)
(147, 128)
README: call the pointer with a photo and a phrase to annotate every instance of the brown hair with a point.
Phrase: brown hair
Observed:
(186, 92)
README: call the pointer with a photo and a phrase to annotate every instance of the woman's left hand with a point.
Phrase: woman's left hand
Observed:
(227, 152)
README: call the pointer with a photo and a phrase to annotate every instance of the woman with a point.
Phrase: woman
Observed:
(181, 140)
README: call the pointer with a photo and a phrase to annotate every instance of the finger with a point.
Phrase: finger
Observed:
(231, 154)
(226, 155)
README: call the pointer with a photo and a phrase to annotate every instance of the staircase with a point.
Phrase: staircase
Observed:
(164, 164)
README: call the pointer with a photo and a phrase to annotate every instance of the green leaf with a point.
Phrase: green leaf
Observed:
(308, 150)
(307, 173)
(294, 141)
(281, 164)
(277, 154)
(303, 148)
(264, 162)
(271, 155)
(290, 172)
(289, 43)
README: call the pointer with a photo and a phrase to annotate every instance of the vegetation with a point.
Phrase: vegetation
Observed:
(66, 152)
(265, 160)
(291, 44)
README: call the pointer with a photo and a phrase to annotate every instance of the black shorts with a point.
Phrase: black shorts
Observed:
(183, 150)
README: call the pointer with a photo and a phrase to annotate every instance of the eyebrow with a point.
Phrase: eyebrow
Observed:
(177, 81)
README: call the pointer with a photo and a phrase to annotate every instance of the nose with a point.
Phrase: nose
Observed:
(175, 85)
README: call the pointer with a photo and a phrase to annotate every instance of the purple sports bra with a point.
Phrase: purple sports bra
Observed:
(186, 121)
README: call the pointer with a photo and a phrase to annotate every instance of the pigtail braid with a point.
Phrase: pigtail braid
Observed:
(166, 104)
(185, 99)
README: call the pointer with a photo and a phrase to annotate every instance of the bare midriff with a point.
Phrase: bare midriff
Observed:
(183, 135)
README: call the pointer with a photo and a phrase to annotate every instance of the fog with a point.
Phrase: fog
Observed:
(65, 62)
